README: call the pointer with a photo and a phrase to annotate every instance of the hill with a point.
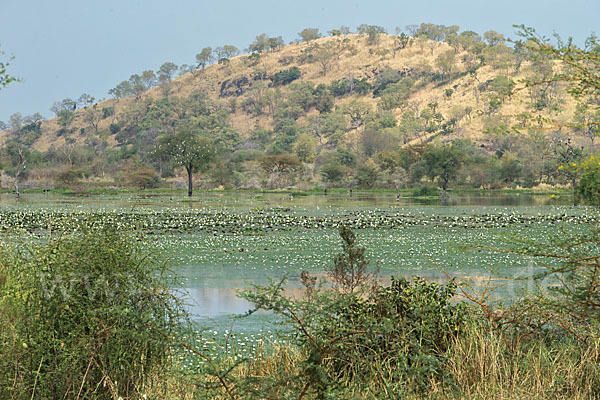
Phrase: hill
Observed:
(364, 110)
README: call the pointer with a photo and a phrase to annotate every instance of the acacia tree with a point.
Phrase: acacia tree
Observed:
(580, 69)
(204, 57)
(580, 66)
(309, 34)
(188, 147)
(226, 51)
(323, 56)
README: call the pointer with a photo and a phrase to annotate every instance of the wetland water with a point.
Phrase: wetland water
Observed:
(220, 242)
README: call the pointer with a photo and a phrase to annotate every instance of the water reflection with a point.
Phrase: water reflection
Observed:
(216, 302)
(245, 200)
(222, 303)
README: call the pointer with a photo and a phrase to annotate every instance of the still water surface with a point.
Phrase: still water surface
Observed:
(213, 266)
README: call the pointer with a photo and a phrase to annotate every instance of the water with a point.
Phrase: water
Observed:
(214, 265)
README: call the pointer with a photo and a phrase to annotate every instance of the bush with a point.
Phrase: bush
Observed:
(588, 189)
(426, 191)
(333, 173)
(75, 316)
(285, 77)
(114, 128)
(367, 176)
(392, 339)
(343, 87)
(70, 177)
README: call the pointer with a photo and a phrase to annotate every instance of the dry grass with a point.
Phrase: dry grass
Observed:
(485, 369)
(356, 59)
(482, 366)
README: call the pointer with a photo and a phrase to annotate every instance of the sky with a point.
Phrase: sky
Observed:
(64, 48)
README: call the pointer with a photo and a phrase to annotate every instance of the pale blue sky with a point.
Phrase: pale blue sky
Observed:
(64, 48)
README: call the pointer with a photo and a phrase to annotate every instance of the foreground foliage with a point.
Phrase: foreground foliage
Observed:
(75, 316)
(563, 298)
(409, 339)
(76, 312)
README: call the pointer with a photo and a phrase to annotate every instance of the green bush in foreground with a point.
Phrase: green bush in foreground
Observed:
(392, 340)
(75, 316)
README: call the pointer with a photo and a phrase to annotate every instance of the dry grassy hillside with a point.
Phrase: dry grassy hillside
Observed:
(352, 57)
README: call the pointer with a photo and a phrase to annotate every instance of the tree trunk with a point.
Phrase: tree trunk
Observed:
(189, 172)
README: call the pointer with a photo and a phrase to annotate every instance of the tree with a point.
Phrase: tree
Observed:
(367, 174)
(141, 176)
(123, 89)
(137, 84)
(16, 122)
(445, 62)
(226, 51)
(581, 66)
(85, 100)
(588, 189)
(372, 32)
(503, 86)
(259, 44)
(65, 104)
(205, 57)
(438, 33)
(587, 120)
(5, 78)
(279, 163)
(93, 115)
(148, 79)
(280, 168)
(401, 41)
(323, 55)
(166, 72)
(309, 34)
(188, 147)
(493, 38)
(349, 271)
(304, 148)
(286, 76)
(65, 117)
(17, 156)
(443, 162)
(358, 112)
(332, 172)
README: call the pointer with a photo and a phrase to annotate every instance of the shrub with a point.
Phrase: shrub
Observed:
(75, 316)
(114, 128)
(344, 87)
(332, 173)
(588, 189)
(70, 177)
(390, 339)
(285, 77)
(426, 191)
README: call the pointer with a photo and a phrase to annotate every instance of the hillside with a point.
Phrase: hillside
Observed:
(383, 99)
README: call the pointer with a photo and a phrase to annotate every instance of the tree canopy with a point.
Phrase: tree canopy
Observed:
(188, 147)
